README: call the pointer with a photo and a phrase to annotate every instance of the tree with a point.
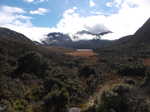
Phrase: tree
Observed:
(33, 63)
(114, 100)
(56, 101)
(86, 71)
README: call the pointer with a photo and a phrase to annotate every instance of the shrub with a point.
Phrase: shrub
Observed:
(86, 71)
(114, 100)
(34, 94)
(19, 105)
(132, 69)
(33, 63)
(56, 101)
(129, 81)
(146, 82)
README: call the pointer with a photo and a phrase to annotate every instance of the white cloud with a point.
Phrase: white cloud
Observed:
(130, 16)
(39, 11)
(97, 28)
(109, 4)
(13, 15)
(29, 1)
(120, 3)
(115, 3)
(13, 18)
(73, 22)
(91, 3)
(35, 1)
(32, 32)
(10, 10)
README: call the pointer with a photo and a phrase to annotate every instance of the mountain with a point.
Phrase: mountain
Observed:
(89, 44)
(15, 44)
(12, 42)
(136, 44)
(141, 36)
(12, 35)
(62, 40)
(56, 38)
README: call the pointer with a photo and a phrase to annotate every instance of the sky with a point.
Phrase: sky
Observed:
(37, 18)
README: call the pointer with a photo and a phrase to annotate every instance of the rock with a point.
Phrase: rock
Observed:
(112, 110)
(2, 108)
(74, 109)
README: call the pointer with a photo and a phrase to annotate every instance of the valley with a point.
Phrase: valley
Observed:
(56, 77)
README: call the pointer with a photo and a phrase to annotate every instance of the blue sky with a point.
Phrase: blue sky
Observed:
(56, 9)
(36, 18)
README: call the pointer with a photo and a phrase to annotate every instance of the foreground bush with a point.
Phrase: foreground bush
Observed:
(123, 98)
(132, 69)
(56, 101)
(146, 82)
(32, 62)
(114, 100)
(86, 71)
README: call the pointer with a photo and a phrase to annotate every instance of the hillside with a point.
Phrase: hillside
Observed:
(12, 35)
(140, 37)
(34, 76)
(135, 45)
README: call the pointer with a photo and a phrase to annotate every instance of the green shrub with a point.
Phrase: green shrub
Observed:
(19, 105)
(86, 71)
(146, 82)
(34, 94)
(114, 99)
(132, 69)
(147, 79)
(56, 101)
(34, 63)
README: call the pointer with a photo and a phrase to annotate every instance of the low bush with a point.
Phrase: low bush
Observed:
(132, 69)
(146, 82)
(114, 100)
(86, 71)
(56, 101)
(33, 63)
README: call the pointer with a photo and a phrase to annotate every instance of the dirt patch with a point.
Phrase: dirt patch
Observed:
(82, 53)
(146, 62)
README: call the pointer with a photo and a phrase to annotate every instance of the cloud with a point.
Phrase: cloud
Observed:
(35, 1)
(91, 3)
(13, 15)
(29, 1)
(14, 18)
(39, 11)
(130, 16)
(120, 3)
(115, 3)
(97, 28)
(8, 9)
(72, 21)
(32, 32)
